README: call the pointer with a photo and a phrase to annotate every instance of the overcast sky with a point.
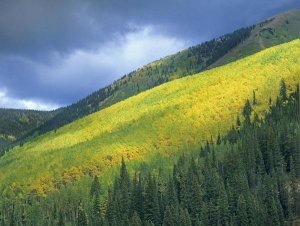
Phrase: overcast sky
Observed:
(55, 52)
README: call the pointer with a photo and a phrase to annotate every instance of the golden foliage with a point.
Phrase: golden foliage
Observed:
(178, 115)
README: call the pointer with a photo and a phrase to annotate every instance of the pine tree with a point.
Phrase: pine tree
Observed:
(168, 218)
(219, 140)
(125, 188)
(223, 207)
(238, 122)
(242, 212)
(151, 208)
(81, 218)
(95, 187)
(136, 220)
(111, 214)
(137, 198)
(96, 212)
(125, 220)
(196, 200)
(61, 219)
(171, 193)
(269, 201)
(185, 217)
(283, 91)
(247, 112)
(254, 98)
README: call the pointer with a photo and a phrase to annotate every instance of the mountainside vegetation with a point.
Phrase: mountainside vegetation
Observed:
(219, 51)
(275, 30)
(248, 177)
(175, 117)
(187, 62)
(14, 124)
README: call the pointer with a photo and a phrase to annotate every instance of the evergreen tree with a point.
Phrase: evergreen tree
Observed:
(219, 140)
(184, 218)
(254, 98)
(95, 188)
(136, 220)
(283, 91)
(61, 219)
(242, 212)
(81, 218)
(151, 208)
(171, 193)
(196, 200)
(111, 209)
(168, 218)
(125, 190)
(96, 212)
(247, 112)
(137, 198)
(223, 207)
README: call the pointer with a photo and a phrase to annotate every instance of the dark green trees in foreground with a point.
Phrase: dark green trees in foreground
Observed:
(249, 177)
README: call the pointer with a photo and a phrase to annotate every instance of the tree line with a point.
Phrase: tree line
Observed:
(187, 62)
(248, 177)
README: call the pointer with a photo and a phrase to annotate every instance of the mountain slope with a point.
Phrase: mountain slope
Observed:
(16, 123)
(275, 30)
(184, 63)
(216, 52)
(176, 116)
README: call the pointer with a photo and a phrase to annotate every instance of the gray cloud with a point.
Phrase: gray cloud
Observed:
(76, 74)
(55, 52)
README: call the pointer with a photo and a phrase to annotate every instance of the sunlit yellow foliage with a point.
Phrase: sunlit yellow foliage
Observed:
(175, 116)
(7, 137)
(11, 137)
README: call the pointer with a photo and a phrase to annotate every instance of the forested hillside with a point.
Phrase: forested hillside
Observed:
(219, 51)
(16, 123)
(184, 63)
(169, 119)
(208, 136)
(275, 30)
(216, 52)
(248, 177)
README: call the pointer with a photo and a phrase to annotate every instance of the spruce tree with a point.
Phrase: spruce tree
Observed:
(219, 140)
(81, 218)
(196, 200)
(137, 198)
(242, 212)
(125, 189)
(224, 218)
(254, 98)
(283, 91)
(185, 218)
(247, 112)
(111, 210)
(61, 219)
(168, 218)
(95, 187)
(96, 211)
(136, 220)
(151, 207)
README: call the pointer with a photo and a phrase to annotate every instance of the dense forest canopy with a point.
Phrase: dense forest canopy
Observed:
(216, 148)
(15, 124)
(169, 119)
(219, 51)
(250, 176)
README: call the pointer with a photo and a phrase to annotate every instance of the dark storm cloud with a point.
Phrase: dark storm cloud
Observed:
(59, 51)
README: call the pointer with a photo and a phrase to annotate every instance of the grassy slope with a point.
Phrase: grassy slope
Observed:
(186, 62)
(175, 116)
(183, 63)
(276, 30)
